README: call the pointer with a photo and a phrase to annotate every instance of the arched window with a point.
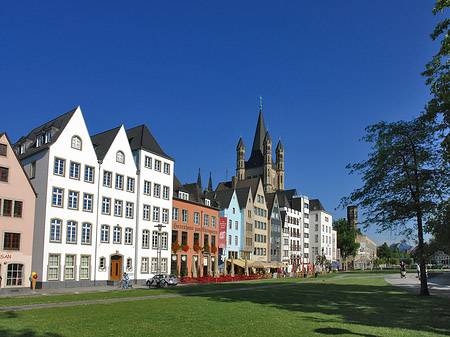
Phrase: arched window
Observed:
(120, 157)
(76, 142)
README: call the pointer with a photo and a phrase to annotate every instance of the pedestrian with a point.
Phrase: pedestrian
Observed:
(402, 269)
(125, 281)
(418, 271)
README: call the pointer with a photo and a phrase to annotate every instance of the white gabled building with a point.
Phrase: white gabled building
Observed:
(88, 227)
(321, 231)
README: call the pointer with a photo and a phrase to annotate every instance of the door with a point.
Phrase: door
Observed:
(114, 273)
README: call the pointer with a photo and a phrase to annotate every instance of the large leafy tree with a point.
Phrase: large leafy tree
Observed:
(346, 236)
(384, 252)
(404, 179)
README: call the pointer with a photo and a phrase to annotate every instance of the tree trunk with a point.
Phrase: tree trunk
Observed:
(423, 279)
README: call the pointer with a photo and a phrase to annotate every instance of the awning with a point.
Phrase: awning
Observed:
(240, 262)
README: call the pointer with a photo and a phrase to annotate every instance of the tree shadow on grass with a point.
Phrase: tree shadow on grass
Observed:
(26, 333)
(368, 305)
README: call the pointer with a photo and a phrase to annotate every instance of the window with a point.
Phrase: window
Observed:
(144, 265)
(118, 207)
(73, 200)
(39, 140)
(166, 168)
(14, 274)
(156, 190)
(207, 202)
(86, 231)
(236, 225)
(128, 236)
(184, 215)
(148, 162)
(166, 192)
(146, 212)
(157, 165)
(59, 167)
(206, 220)
(71, 232)
(234, 210)
(120, 157)
(119, 181)
(129, 210)
(11, 241)
(165, 215)
(155, 213)
(7, 207)
(236, 240)
(154, 240)
(175, 214)
(76, 143)
(229, 239)
(3, 149)
(213, 222)
(69, 268)
(55, 230)
(326, 219)
(130, 184)
(154, 265)
(164, 240)
(102, 263)
(147, 187)
(89, 174)
(196, 218)
(106, 205)
(53, 267)
(57, 197)
(85, 261)
(4, 174)
(33, 170)
(104, 233)
(117, 234)
(74, 170)
(87, 202)
(163, 265)
(107, 176)
(18, 206)
(145, 238)
(48, 137)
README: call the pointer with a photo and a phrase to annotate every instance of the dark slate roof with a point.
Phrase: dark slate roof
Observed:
(267, 138)
(240, 144)
(56, 125)
(256, 157)
(140, 137)
(252, 183)
(285, 197)
(270, 197)
(102, 142)
(223, 198)
(297, 204)
(315, 205)
(177, 186)
(195, 192)
(242, 195)
(279, 146)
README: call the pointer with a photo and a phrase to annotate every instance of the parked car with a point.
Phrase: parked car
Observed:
(162, 280)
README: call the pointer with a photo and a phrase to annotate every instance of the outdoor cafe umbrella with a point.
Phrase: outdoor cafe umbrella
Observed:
(232, 267)
(258, 264)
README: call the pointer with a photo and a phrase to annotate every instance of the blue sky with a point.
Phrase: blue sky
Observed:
(193, 71)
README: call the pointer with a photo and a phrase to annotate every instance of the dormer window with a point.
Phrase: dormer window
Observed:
(48, 137)
(120, 157)
(207, 202)
(22, 149)
(39, 140)
(183, 195)
(76, 142)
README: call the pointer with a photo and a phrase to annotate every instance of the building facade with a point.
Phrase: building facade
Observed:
(17, 206)
(321, 223)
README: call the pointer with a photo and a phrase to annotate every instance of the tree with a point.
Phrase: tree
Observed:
(384, 252)
(346, 238)
(404, 179)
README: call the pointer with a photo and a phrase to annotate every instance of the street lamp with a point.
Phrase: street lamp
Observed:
(160, 227)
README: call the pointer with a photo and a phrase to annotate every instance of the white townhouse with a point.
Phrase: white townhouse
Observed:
(90, 204)
(321, 229)
(62, 166)
(155, 174)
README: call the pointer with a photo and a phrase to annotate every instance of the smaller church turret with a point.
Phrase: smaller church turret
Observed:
(280, 165)
(267, 163)
(240, 161)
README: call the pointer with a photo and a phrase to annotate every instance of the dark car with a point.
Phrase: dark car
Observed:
(162, 280)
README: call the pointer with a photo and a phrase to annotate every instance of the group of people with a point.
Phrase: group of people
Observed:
(403, 270)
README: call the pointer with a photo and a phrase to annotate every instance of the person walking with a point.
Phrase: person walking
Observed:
(402, 269)
(125, 281)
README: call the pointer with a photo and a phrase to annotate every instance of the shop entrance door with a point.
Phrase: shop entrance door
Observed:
(114, 273)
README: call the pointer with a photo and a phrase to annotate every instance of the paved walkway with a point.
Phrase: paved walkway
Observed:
(438, 284)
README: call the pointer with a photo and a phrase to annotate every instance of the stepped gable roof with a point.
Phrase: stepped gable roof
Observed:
(102, 142)
(56, 125)
(140, 137)
(315, 205)
(223, 198)
(242, 195)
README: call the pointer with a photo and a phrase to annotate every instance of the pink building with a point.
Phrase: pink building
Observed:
(17, 203)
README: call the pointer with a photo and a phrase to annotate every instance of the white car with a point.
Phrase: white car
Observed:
(162, 280)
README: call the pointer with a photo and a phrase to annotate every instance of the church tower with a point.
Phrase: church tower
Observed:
(280, 165)
(240, 161)
(352, 216)
(268, 186)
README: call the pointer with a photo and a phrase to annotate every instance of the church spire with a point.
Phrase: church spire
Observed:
(199, 179)
(210, 187)
(260, 133)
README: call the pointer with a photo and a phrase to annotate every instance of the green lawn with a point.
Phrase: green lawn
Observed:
(346, 307)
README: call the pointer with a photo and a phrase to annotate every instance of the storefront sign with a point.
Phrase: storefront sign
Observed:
(5, 257)
(222, 232)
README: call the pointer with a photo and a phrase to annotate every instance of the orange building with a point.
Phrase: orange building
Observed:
(195, 232)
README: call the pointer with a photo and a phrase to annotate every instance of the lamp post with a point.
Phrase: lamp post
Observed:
(160, 227)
